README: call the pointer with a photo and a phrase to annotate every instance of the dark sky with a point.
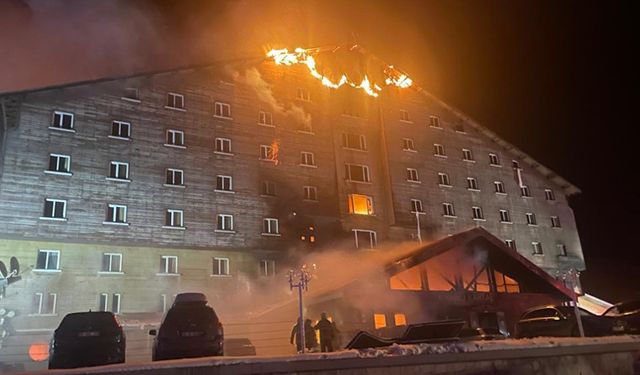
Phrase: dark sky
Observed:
(556, 78)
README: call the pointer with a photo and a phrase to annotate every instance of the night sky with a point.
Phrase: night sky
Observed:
(556, 79)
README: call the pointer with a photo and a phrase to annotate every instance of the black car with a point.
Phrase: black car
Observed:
(190, 329)
(87, 339)
(626, 316)
(561, 321)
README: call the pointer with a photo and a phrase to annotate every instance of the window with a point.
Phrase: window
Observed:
(220, 267)
(120, 129)
(175, 138)
(511, 244)
(270, 226)
(555, 222)
(549, 195)
(499, 187)
(304, 94)
(443, 179)
(357, 173)
(225, 222)
(467, 155)
(267, 153)
(493, 159)
(48, 260)
(379, 321)
(459, 127)
(416, 206)
(531, 218)
(131, 94)
(116, 213)
(477, 213)
(524, 191)
(365, 239)
(404, 115)
(310, 193)
(60, 164)
(103, 302)
(222, 110)
(223, 145)
(174, 218)
(175, 101)
(169, 264)
(44, 303)
(472, 183)
(408, 145)
(62, 120)
(448, 209)
(306, 126)
(360, 204)
(354, 141)
(224, 183)
(434, 121)
(537, 248)
(269, 188)
(438, 150)
(504, 216)
(505, 284)
(119, 170)
(55, 209)
(399, 320)
(562, 249)
(267, 267)
(412, 175)
(265, 118)
(307, 159)
(111, 262)
(174, 177)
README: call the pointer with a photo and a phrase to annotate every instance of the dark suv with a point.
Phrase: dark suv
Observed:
(190, 329)
(87, 339)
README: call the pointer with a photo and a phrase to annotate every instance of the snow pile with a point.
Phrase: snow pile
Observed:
(416, 349)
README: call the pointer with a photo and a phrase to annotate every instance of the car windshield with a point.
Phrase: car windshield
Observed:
(189, 317)
(86, 322)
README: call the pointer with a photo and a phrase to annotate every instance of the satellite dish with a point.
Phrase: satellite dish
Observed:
(15, 266)
(3, 270)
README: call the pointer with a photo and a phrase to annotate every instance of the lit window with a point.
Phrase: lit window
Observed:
(268, 188)
(44, 303)
(267, 267)
(504, 216)
(404, 115)
(175, 101)
(360, 204)
(307, 159)
(48, 260)
(499, 187)
(357, 173)
(222, 110)
(416, 206)
(438, 150)
(400, 320)
(537, 248)
(265, 118)
(267, 153)
(119, 170)
(505, 284)
(549, 195)
(493, 159)
(531, 218)
(434, 121)
(511, 244)
(220, 267)
(477, 213)
(175, 138)
(562, 249)
(310, 193)
(116, 213)
(223, 145)
(365, 239)
(174, 218)
(472, 183)
(225, 222)
(111, 262)
(555, 222)
(408, 145)
(467, 155)
(270, 226)
(412, 175)
(224, 183)
(169, 264)
(174, 177)
(524, 191)
(448, 209)
(59, 164)
(55, 209)
(379, 321)
(354, 141)
(120, 129)
(62, 120)
(443, 179)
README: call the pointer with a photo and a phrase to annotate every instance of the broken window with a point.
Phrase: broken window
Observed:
(360, 204)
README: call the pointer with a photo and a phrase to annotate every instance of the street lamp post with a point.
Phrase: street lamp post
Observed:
(572, 277)
(418, 213)
(300, 279)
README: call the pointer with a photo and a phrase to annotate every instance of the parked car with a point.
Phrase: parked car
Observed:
(561, 321)
(626, 316)
(190, 329)
(472, 334)
(87, 339)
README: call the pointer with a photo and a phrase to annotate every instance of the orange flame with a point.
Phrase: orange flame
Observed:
(304, 57)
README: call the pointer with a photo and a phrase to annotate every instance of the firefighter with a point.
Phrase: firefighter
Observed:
(327, 332)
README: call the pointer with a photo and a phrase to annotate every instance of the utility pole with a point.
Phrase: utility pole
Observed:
(300, 279)
(572, 277)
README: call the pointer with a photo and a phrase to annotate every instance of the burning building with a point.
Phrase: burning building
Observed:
(117, 194)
